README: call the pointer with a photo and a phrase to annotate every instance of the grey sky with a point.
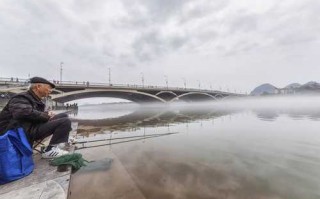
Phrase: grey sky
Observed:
(234, 44)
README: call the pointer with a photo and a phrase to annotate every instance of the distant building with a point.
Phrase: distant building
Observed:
(285, 91)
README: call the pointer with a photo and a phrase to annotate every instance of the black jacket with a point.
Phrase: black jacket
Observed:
(23, 110)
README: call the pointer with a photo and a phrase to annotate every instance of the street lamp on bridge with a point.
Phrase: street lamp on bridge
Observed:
(184, 83)
(199, 84)
(109, 70)
(142, 79)
(61, 71)
(166, 80)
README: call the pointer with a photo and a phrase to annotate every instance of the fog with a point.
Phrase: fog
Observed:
(301, 103)
(288, 103)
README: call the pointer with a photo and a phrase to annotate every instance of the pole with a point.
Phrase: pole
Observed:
(166, 79)
(199, 84)
(184, 83)
(142, 79)
(109, 76)
(61, 72)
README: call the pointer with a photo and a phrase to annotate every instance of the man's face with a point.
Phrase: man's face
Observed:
(44, 90)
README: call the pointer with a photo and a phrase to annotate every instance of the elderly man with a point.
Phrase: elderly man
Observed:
(28, 111)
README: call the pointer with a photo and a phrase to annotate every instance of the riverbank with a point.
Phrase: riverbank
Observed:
(43, 183)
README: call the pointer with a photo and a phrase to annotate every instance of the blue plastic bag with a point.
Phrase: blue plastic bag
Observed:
(15, 156)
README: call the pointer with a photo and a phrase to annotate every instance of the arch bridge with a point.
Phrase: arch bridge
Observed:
(69, 91)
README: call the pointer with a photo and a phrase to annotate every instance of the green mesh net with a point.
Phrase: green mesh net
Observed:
(75, 160)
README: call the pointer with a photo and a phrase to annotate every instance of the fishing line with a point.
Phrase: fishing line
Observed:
(110, 139)
(146, 137)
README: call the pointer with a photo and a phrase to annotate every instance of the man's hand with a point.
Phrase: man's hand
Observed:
(51, 114)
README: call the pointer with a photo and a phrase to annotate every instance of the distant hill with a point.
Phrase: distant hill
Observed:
(311, 87)
(264, 89)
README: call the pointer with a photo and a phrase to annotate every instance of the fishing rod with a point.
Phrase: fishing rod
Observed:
(154, 136)
(110, 139)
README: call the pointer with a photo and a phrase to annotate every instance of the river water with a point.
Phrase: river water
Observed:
(260, 150)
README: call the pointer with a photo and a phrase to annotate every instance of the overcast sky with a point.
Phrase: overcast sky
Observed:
(228, 44)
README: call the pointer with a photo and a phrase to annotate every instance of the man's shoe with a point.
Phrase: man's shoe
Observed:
(53, 153)
(72, 140)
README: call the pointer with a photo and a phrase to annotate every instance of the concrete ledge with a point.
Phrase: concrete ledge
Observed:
(44, 190)
(43, 183)
(38, 183)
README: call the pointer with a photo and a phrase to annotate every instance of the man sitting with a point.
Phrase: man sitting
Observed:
(28, 111)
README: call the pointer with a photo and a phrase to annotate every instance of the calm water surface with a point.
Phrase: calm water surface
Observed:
(214, 153)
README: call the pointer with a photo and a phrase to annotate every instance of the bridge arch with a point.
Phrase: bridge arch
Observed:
(171, 92)
(219, 96)
(131, 95)
(57, 91)
(193, 94)
(166, 95)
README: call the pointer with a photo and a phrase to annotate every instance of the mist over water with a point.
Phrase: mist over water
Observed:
(238, 148)
(102, 111)
(294, 106)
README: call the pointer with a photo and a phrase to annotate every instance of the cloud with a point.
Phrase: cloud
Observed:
(159, 28)
(155, 34)
(153, 11)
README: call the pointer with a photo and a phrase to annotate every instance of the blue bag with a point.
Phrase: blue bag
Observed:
(15, 156)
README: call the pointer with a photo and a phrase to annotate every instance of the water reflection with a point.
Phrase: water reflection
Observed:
(135, 117)
(267, 115)
(294, 113)
(148, 117)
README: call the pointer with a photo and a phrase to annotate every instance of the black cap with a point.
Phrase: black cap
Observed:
(41, 80)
